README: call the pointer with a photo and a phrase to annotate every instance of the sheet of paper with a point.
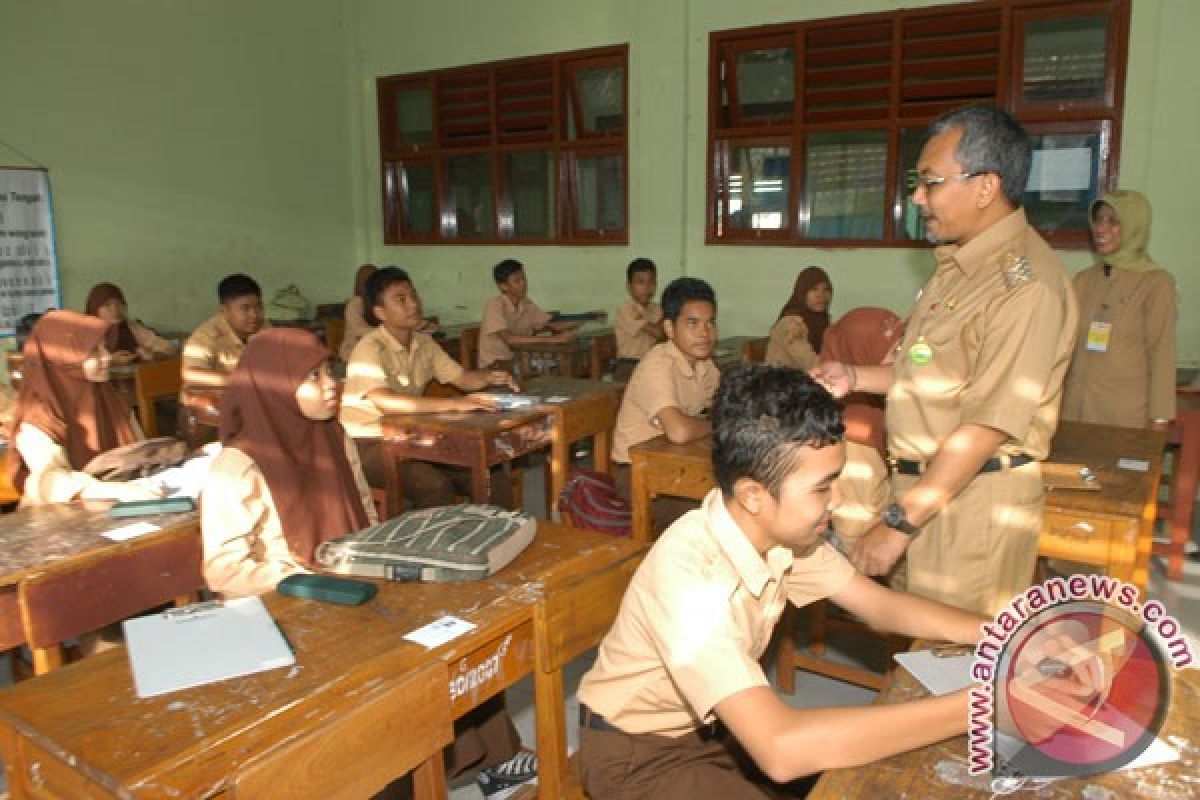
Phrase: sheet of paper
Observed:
(185, 480)
(440, 631)
(938, 675)
(1134, 464)
(131, 531)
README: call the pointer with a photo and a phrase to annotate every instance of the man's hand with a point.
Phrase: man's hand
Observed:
(835, 376)
(879, 550)
(476, 401)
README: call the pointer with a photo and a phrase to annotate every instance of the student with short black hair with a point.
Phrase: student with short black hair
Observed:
(638, 322)
(213, 350)
(512, 318)
(677, 704)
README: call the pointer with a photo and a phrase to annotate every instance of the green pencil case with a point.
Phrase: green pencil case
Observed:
(327, 588)
(143, 508)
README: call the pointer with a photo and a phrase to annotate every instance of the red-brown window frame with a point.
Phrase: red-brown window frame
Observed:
(1069, 116)
(394, 155)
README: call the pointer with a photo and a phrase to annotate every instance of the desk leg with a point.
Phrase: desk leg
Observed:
(481, 482)
(602, 451)
(643, 504)
(560, 465)
(393, 484)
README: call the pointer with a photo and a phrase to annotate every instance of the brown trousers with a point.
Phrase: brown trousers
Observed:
(695, 766)
(428, 485)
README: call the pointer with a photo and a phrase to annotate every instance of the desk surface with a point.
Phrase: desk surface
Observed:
(188, 743)
(482, 422)
(1123, 492)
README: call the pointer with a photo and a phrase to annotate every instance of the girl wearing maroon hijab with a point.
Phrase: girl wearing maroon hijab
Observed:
(127, 340)
(287, 477)
(798, 334)
(68, 413)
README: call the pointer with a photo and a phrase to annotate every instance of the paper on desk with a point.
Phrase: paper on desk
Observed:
(1134, 464)
(440, 631)
(131, 531)
(938, 675)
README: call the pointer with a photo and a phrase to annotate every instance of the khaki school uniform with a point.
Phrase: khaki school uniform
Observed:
(500, 314)
(1128, 379)
(988, 343)
(356, 328)
(788, 345)
(214, 345)
(694, 621)
(663, 379)
(245, 551)
(51, 477)
(631, 318)
(149, 344)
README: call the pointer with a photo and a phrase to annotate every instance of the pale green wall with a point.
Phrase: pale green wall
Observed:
(186, 139)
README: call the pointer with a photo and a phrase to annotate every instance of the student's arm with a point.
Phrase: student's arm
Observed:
(899, 612)
(390, 402)
(681, 428)
(475, 379)
(562, 327)
(788, 743)
(52, 479)
(150, 344)
(198, 365)
(205, 377)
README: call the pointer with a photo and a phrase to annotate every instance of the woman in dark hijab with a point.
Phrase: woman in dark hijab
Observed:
(128, 340)
(796, 337)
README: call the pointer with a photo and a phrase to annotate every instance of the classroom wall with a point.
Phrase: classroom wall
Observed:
(185, 140)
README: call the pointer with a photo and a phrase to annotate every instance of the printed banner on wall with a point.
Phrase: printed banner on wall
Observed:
(28, 263)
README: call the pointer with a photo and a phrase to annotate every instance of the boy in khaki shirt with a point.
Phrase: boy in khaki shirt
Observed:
(638, 324)
(677, 698)
(215, 347)
(388, 372)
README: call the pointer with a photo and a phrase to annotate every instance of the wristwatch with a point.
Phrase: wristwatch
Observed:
(895, 518)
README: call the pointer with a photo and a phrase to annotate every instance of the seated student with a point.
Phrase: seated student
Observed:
(67, 413)
(287, 479)
(214, 348)
(638, 325)
(512, 318)
(128, 340)
(677, 704)
(675, 381)
(356, 323)
(797, 335)
(387, 374)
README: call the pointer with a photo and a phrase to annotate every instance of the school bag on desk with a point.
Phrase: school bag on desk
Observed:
(452, 543)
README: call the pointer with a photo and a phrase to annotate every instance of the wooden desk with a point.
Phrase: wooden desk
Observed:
(914, 775)
(82, 731)
(33, 537)
(734, 350)
(461, 342)
(660, 467)
(589, 411)
(573, 358)
(201, 412)
(477, 440)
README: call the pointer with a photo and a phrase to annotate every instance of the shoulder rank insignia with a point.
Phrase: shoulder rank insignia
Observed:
(1017, 271)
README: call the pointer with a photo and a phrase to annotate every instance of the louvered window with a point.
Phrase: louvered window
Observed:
(815, 127)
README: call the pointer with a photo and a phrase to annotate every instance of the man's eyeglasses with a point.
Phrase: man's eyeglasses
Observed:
(931, 182)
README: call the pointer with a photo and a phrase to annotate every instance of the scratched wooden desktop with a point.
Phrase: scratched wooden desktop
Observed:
(571, 359)
(82, 731)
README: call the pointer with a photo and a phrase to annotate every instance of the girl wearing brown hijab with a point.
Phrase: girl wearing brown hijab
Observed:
(797, 335)
(356, 321)
(127, 340)
(67, 413)
(1123, 370)
(287, 477)
(862, 336)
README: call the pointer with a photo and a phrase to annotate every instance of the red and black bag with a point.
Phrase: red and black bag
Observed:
(590, 501)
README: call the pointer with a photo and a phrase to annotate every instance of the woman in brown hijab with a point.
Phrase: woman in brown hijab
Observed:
(862, 336)
(797, 335)
(128, 340)
(356, 321)
(67, 413)
(1123, 370)
(287, 477)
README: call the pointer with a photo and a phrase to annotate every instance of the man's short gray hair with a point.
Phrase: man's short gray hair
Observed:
(992, 141)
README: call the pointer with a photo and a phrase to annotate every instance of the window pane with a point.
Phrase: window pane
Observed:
(1065, 59)
(420, 206)
(1062, 180)
(759, 187)
(531, 182)
(766, 83)
(845, 177)
(912, 224)
(600, 198)
(469, 192)
(414, 115)
(600, 93)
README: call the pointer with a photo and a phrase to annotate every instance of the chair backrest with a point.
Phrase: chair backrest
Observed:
(152, 380)
(755, 350)
(335, 332)
(604, 352)
(570, 619)
(468, 343)
(63, 600)
(14, 359)
(357, 753)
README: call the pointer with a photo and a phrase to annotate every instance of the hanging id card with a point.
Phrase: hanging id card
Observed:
(1098, 336)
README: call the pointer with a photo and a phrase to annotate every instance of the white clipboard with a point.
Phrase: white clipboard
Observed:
(203, 643)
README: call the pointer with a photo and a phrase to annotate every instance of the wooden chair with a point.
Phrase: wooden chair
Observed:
(755, 350)
(604, 354)
(74, 597)
(335, 332)
(1178, 510)
(810, 657)
(153, 380)
(468, 347)
(569, 620)
(14, 359)
(12, 633)
(200, 415)
(358, 753)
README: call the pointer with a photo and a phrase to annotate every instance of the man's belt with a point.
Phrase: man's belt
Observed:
(593, 721)
(995, 464)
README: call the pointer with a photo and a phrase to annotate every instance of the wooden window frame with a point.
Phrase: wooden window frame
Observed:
(498, 143)
(911, 103)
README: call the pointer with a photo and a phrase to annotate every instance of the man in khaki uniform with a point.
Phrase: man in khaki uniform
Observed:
(677, 704)
(973, 396)
(215, 347)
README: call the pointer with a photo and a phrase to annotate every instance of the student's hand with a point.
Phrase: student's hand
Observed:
(133, 491)
(835, 376)
(879, 550)
(498, 377)
(123, 357)
(477, 401)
